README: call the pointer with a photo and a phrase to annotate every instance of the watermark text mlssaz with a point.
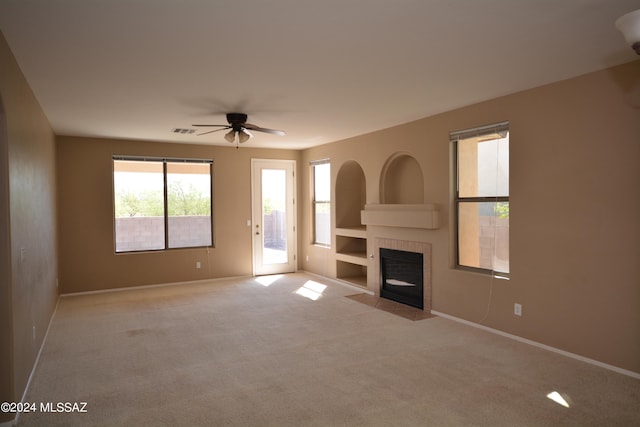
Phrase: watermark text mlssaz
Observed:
(65, 407)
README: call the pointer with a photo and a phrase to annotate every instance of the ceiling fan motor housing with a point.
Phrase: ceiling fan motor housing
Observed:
(236, 118)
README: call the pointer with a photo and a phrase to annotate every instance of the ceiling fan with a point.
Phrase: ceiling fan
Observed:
(238, 126)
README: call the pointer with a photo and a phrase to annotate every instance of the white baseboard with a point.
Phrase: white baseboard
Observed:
(37, 361)
(622, 371)
(159, 285)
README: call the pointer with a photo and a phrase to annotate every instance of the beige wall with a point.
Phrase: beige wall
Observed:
(575, 204)
(28, 245)
(87, 258)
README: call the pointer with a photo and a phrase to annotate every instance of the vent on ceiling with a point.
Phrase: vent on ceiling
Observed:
(183, 131)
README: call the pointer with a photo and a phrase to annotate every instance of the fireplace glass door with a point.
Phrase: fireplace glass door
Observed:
(401, 277)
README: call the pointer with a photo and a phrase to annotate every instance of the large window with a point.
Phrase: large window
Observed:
(482, 198)
(321, 174)
(162, 203)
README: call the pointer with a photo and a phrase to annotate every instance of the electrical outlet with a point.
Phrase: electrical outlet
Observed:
(517, 309)
(307, 259)
(197, 264)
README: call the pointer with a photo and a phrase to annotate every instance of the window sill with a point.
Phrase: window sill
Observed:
(482, 272)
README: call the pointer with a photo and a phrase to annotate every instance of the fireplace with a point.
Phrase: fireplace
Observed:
(404, 228)
(401, 276)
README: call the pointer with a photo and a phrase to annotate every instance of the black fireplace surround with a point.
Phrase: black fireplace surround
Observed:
(401, 277)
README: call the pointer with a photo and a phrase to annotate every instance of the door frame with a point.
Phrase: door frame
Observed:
(255, 163)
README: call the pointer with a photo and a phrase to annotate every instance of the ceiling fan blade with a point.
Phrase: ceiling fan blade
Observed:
(211, 131)
(259, 129)
(213, 126)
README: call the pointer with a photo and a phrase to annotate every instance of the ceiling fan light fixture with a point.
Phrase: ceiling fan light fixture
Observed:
(244, 135)
(629, 26)
(230, 136)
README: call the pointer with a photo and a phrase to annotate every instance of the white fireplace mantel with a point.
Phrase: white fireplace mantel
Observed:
(423, 216)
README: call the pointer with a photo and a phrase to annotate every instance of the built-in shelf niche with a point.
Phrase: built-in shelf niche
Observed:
(402, 182)
(351, 234)
(351, 249)
(352, 273)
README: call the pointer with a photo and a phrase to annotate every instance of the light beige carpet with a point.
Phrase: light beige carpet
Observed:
(296, 352)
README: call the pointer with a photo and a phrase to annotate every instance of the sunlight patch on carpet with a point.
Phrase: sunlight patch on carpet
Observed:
(559, 399)
(311, 290)
(268, 280)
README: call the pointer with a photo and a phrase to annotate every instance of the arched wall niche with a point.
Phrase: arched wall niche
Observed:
(350, 195)
(402, 181)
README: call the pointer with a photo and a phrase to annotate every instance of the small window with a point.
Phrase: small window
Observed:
(482, 198)
(162, 204)
(321, 174)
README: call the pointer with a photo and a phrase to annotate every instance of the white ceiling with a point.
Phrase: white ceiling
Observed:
(320, 70)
